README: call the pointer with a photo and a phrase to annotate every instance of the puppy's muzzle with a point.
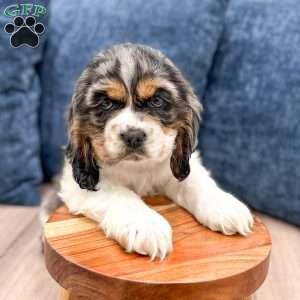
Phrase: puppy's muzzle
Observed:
(133, 138)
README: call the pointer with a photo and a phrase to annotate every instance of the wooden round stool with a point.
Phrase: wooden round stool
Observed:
(203, 265)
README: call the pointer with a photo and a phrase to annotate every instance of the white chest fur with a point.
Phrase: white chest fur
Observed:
(146, 179)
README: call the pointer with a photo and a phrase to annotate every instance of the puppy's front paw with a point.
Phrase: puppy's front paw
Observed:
(226, 214)
(146, 233)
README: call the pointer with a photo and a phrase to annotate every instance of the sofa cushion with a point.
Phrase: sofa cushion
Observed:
(251, 130)
(20, 168)
(187, 31)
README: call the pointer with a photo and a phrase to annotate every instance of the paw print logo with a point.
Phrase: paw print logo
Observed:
(24, 32)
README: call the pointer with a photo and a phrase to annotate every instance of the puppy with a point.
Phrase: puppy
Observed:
(133, 125)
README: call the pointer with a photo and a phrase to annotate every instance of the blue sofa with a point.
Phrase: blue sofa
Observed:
(242, 57)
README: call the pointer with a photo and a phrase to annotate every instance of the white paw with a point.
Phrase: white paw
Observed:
(226, 214)
(145, 232)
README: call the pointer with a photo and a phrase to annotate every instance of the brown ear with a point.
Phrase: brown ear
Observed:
(186, 140)
(81, 156)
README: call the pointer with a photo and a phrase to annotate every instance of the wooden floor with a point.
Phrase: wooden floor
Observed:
(23, 275)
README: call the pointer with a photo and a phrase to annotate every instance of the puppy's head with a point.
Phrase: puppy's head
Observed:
(131, 104)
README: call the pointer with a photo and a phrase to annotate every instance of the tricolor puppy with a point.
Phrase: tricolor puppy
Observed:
(133, 125)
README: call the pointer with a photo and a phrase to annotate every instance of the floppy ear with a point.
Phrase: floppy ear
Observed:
(186, 140)
(81, 156)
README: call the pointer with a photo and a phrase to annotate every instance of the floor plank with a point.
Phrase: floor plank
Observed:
(283, 281)
(13, 221)
(24, 276)
(22, 271)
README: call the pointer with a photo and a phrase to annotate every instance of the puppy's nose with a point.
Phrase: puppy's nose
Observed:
(133, 138)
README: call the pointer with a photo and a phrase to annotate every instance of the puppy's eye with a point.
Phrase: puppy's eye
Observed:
(101, 100)
(106, 103)
(156, 102)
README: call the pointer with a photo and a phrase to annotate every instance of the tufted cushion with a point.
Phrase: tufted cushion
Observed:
(251, 131)
(20, 168)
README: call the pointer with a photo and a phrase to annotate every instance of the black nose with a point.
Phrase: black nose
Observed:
(133, 138)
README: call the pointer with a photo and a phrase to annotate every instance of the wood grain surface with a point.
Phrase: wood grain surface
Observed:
(23, 274)
(203, 264)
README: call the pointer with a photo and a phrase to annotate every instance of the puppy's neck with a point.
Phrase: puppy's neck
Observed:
(145, 177)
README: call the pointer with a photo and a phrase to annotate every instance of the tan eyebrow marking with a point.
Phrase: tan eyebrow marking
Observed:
(115, 90)
(147, 87)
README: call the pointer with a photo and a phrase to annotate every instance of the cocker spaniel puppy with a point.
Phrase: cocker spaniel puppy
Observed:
(133, 125)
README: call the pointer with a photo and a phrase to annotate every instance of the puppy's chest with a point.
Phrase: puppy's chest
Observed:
(142, 182)
(144, 187)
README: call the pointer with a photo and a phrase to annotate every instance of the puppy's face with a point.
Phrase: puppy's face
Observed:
(131, 103)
